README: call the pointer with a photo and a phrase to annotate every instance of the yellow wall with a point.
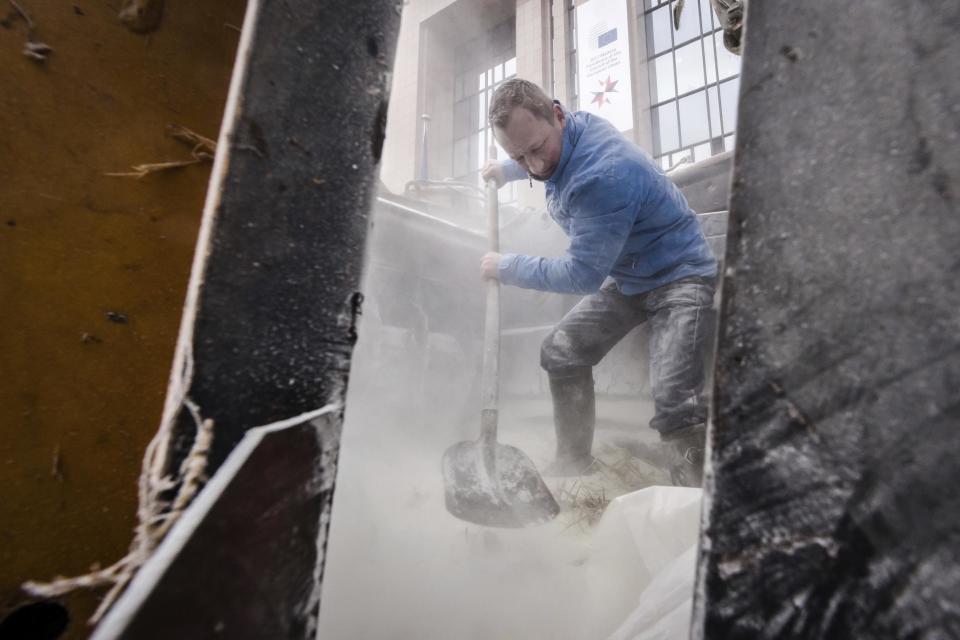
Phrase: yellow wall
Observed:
(75, 245)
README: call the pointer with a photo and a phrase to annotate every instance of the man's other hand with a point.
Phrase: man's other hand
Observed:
(493, 170)
(490, 265)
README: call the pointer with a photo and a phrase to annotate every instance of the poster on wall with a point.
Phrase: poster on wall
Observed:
(603, 61)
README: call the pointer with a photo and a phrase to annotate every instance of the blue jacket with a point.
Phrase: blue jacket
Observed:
(624, 218)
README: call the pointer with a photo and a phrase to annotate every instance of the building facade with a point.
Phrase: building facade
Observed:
(656, 68)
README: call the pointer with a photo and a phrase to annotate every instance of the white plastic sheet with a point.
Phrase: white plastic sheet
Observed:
(645, 544)
(401, 568)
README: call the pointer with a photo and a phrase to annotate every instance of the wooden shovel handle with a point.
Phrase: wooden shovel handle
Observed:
(491, 335)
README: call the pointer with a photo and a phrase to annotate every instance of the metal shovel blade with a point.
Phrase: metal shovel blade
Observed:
(495, 485)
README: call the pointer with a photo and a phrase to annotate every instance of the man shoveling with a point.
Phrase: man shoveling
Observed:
(636, 251)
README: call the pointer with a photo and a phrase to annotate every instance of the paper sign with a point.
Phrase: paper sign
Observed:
(603, 61)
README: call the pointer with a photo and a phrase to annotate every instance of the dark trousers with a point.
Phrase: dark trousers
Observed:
(679, 317)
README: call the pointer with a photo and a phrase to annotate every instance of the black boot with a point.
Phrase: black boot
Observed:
(687, 448)
(574, 418)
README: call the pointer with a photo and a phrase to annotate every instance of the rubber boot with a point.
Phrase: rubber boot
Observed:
(687, 447)
(574, 418)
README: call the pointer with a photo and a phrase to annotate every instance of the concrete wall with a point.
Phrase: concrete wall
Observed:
(401, 151)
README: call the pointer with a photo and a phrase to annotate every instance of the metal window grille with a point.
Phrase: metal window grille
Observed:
(718, 83)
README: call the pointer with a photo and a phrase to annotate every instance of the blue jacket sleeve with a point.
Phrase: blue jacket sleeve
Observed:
(602, 214)
(512, 171)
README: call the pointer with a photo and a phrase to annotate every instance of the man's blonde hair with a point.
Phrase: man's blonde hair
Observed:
(514, 93)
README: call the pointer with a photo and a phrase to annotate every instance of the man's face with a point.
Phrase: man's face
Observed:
(533, 142)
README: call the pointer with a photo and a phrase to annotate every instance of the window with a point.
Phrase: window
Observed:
(481, 66)
(694, 82)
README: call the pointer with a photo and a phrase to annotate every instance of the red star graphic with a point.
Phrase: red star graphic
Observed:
(606, 86)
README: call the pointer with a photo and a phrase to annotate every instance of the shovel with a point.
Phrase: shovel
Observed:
(490, 483)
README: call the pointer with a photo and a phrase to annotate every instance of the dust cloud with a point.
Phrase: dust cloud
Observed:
(399, 566)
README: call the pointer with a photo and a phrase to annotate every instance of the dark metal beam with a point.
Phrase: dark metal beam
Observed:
(274, 324)
(269, 324)
(831, 506)
(243, 560)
